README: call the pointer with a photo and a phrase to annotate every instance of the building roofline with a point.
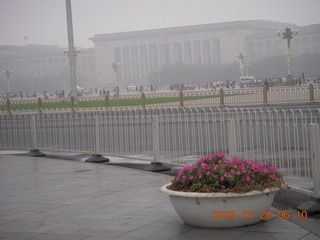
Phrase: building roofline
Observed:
(249, 24)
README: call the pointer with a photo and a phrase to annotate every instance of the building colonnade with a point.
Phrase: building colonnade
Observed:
(138, 59)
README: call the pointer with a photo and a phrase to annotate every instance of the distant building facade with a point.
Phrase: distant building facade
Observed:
(140, 53)
(44, 66)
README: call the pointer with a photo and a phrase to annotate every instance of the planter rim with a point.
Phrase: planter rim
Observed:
(164, 189)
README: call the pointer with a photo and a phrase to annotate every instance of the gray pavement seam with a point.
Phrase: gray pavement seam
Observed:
(50, 207)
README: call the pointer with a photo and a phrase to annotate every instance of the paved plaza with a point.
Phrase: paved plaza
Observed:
(45, 198)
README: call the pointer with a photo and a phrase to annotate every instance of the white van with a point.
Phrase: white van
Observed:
(246, 79)
(131, 88)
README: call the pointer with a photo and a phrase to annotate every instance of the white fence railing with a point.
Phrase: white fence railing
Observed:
(288, 138)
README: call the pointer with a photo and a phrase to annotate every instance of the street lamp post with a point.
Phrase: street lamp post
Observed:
(114, 66)
(8, 72)
(287, 34)
(242, 62)
(158, 70)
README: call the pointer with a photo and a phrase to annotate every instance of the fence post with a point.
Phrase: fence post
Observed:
(96, 125)
(311, 93)
(96, 157)
(39, 105)
(265, 95)
(221, 97)
(8, 106)
(156, 138)
(156, 165)
(34, 142)
(181, 99)
(315, 157)
(143, 100)
(106, 100)
(232, 137)
(72, 103)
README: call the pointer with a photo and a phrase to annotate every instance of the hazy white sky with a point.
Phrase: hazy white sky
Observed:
(44, 21)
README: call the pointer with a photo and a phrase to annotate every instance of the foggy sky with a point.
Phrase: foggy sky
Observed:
(44, 21)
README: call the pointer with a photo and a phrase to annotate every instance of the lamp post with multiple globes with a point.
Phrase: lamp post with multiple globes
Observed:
(114, 66)
(8, 72)
(287, 34)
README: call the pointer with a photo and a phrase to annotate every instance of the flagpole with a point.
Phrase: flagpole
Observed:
(72, 56)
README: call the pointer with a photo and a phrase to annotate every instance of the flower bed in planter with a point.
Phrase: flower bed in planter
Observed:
(217, 192)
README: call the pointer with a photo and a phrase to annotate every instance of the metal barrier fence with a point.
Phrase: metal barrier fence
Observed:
(218, 97)
(288, 138)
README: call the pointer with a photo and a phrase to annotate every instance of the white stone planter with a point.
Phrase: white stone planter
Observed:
(221, 210)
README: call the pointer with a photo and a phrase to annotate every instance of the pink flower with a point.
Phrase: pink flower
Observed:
(220, 154)
(272, 177)
(237, 170)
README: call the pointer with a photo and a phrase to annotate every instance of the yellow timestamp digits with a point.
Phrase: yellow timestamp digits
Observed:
(263, 215)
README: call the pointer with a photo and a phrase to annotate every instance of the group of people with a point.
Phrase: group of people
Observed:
(20, 95)
(270, 82)
(106, 91)
(206, 85)
(214, 85)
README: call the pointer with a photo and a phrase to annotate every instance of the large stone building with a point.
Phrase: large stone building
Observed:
(43, 67)
(140, 53)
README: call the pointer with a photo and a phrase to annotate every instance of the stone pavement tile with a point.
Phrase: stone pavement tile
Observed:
(142, 221)
(106, 229)
(255, 235)
(17, 235)
(26, 225)
(207, 233)
(171, 222)
(14, 227)
(310, 236)
(310, 224)
(111, 238)
(142, 233)
(17, 216)
(79, 208)
(58, 236)
(280, 226)
(71, 229)
(166, 233)
(286, 236)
